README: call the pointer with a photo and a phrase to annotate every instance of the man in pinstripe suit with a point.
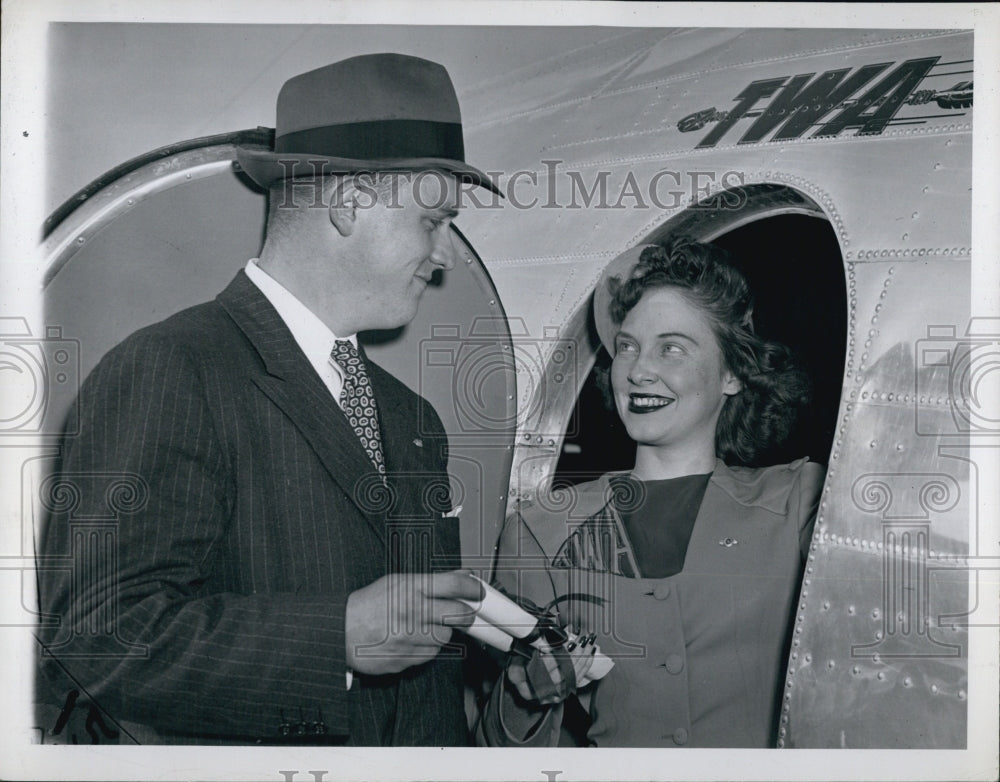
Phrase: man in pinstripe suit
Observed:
(280, 569)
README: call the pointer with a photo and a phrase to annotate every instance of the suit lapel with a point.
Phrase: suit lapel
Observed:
(293, 386)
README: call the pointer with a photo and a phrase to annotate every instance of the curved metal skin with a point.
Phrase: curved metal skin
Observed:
(173, 230)
(880, 655)
(732, 126)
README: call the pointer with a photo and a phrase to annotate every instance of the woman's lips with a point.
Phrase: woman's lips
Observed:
(647, 403)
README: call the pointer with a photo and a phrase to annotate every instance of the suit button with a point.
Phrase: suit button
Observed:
(674, 663)
(661, 591)
(680, 736)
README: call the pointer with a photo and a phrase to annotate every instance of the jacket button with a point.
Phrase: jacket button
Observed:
(680, 736)
(661, 591)
(674, 663)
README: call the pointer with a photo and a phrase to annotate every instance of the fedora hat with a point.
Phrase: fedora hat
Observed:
(620, 270)
(376, 112)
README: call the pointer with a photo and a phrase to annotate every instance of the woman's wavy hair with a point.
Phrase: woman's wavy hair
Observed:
(757, 419)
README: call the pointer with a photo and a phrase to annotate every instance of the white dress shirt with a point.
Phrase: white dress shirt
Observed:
(311, 334)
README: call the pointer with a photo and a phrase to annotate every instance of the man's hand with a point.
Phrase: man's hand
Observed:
(403, 619)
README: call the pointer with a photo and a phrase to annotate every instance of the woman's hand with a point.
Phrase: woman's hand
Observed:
(553, 673)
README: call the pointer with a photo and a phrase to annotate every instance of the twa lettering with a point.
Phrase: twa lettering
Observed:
(798, 103)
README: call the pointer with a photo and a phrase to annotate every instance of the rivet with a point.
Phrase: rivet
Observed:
(808, 658)
(826, 605)
(806, 582)
(850, 609)
(493, 302)
(831, 664)
(872, 444)
(878, 635)
(934, 688)
(880, 675)
(907, 681)
(855, 670)
(915, 215)
(80, 240)
(131, 201)
(876, 613)
(899, 446)
(961, 695)
(781, 743)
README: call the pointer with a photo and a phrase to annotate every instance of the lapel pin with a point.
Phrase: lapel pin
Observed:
(728, 542)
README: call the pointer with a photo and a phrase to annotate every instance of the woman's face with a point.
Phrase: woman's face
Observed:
(668, 375)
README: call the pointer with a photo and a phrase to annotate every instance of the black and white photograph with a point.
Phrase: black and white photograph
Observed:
(489, 390)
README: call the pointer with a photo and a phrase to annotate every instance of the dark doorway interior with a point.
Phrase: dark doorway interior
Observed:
(794, 267)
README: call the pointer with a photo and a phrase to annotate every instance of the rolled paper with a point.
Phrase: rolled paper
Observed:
(496, 611)
(502, 612)
(483, 631)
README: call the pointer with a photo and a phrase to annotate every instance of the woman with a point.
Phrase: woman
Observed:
(687, 568)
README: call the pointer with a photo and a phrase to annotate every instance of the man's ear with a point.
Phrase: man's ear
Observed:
(343, 208)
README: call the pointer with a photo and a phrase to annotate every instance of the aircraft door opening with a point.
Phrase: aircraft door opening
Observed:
(789, 253)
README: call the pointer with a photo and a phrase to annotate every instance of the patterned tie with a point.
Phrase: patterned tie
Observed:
(358, 401)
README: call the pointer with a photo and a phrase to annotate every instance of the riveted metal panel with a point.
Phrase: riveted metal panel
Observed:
(879, 655)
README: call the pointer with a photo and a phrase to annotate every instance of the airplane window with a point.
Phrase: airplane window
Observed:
(794, 267)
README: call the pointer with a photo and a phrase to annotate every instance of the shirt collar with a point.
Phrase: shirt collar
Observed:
(311, 334)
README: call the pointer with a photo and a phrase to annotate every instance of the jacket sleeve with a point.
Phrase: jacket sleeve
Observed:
(522, 568)
(137, 629)
(810, 490)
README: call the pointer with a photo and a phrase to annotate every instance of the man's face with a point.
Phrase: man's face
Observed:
(405, 236)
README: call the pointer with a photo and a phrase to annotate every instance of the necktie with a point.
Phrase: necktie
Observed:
(358, 401)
